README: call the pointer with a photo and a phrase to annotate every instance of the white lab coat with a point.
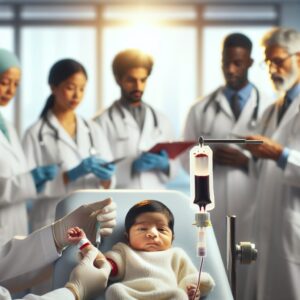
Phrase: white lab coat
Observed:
(22, 255)
(233, 188)
(16, 186)
(278, 210)
(66, 152)
(126, 139)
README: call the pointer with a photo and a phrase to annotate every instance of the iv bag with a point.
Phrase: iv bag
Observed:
(201, 177)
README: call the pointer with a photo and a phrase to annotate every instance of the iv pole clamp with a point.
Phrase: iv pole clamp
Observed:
(244, 251)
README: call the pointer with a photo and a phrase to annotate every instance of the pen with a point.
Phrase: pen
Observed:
(113, 161)
(98, 234)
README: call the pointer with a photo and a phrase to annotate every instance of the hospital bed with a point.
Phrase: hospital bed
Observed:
(185, 233)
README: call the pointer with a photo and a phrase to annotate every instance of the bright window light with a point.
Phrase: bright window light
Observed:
(152, 14)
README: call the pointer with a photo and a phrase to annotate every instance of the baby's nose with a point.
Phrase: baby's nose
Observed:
(152, 233)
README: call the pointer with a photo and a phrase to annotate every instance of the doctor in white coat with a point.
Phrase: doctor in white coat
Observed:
(278, 172)
(230, 110)
(133, 127)
(79, 147)
(22, 255)
(17, 182)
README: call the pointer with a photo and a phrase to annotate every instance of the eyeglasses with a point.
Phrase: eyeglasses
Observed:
(277, 62)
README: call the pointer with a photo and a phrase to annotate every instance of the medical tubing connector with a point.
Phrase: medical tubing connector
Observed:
(202, 221)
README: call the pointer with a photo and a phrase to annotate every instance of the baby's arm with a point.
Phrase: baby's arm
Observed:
(77, 237)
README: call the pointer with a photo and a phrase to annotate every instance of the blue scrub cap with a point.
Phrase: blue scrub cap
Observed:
(8, 60)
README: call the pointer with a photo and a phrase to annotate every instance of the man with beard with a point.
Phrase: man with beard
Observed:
(277, 163)
(133, 127)
(230, 111)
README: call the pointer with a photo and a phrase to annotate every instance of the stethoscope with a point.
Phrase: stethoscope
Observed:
(45, 120)
(125, 135)
(214, 101)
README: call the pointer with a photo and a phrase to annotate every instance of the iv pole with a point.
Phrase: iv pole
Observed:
(244, 251)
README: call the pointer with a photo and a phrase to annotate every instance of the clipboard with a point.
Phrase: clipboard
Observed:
(173, 148)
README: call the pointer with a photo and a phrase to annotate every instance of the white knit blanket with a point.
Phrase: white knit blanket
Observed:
(154, 275)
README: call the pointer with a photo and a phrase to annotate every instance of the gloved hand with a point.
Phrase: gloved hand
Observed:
(86, 280)
(103, 170)
(84, 168)
(151, 161)
(42, 174)
(85, 217)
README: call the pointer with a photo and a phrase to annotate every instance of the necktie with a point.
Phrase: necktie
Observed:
(235, 105)
(3, 127)
(287, 101)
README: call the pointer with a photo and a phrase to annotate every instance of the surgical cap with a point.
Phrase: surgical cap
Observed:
(8, 60)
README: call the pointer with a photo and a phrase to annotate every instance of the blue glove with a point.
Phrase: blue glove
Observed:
(42, 174)
(84, 168)
(151, 161)
(103, 170)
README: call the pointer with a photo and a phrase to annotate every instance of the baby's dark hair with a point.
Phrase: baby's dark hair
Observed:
(237, 40)
(148, 206)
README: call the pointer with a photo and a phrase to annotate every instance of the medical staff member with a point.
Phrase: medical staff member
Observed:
(278, 172)
(133, 127)
(20, 256)
(17, 183)
(230, 110)
(79, 147)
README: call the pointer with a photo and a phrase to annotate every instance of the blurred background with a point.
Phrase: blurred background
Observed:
(183, 36)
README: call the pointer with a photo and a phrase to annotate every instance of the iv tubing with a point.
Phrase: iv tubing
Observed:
(199, 277)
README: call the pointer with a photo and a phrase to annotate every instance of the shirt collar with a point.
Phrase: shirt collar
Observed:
(243, 93)
(293, 92)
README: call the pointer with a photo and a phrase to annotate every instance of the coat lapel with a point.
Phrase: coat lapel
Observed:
(292, 110)
(64, 137)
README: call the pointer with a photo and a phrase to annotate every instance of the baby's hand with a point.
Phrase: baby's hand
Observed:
(75, 234)
(191, 290)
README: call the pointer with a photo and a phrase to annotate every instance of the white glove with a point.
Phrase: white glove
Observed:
(85, 217)
(86, 280)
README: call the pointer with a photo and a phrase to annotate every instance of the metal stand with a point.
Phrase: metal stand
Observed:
(231, 253)
(244, 251)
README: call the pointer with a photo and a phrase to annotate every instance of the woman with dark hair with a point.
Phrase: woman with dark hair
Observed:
(77, 146)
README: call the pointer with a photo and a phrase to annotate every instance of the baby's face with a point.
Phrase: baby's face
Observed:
(150, 232)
